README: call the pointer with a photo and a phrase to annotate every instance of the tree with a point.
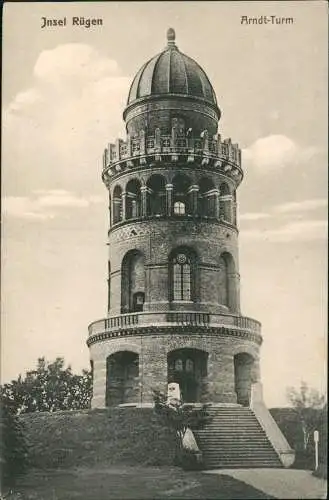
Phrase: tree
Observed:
(181, 417)
(50, 387)
(14, 450)
(309, 405)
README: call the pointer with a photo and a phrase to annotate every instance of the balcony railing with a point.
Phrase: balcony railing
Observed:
(179, 318)
(188, 318)
(158, 144)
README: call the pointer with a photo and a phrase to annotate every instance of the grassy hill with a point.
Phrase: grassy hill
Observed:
(88, 437)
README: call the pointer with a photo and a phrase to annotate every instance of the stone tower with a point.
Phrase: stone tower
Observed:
(173, 268)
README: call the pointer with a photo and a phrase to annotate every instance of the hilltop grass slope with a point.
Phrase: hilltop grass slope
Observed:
(127, 436)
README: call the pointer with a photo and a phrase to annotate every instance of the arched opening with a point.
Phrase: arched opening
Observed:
(156, 195)
(225, 203)
(133, 199)
(117, 204)
(227, 288)
(243, 377)
(122, 372)
(132, 282)
(181, 196)
(207, 198)
(182, 275)
(188, 368)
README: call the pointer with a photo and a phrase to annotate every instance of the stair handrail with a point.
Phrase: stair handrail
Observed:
(270, 427)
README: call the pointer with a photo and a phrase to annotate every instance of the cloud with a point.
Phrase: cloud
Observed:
(309, 230)
(301, 206)
(64, 121)
(275, 152)
(254, 216)
(291, 208)
(41, 206)
(72, 61)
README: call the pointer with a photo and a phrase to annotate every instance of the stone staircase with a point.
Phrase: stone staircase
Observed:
(233, 438)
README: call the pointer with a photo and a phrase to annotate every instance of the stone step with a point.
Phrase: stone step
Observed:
(240, 465)
(233, 437)
(235, 452)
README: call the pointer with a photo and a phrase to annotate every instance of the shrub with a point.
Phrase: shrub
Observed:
(14, 450)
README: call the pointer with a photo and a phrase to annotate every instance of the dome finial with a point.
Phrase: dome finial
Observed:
(171, 35)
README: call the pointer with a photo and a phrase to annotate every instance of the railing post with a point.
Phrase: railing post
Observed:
(205, 137)
(129, 148)
(142, 142)
(118, 143)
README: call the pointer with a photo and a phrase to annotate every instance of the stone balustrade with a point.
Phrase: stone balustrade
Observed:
(135, 151)
(124, 322)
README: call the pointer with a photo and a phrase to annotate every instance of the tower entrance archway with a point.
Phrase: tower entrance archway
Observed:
(243, 368)
(122, 370)
(188, 368)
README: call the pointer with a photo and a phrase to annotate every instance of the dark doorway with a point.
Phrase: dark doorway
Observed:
(188, 368)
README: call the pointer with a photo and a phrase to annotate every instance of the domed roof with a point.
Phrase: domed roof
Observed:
(171, 72)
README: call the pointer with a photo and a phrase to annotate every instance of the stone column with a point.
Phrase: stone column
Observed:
(169, 198)
(193, 192)
(124, 205)
(217, 204)
(144, 201)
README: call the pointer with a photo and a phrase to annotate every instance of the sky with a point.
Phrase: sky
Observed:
(64, 90)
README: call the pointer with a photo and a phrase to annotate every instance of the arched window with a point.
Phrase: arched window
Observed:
(133, 199)
(179, 208)
(181, 194)
(132, 282)
(117, 204)
(156, 195)
(182, 274)
(225, 202)
(207, 198)
(227, 288)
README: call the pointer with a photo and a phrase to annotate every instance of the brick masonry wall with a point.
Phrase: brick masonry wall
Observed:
(159, 114)
(156, 240)
(219, 384)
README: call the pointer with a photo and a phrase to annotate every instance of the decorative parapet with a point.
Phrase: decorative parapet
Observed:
(148, 322)
(138, 151)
